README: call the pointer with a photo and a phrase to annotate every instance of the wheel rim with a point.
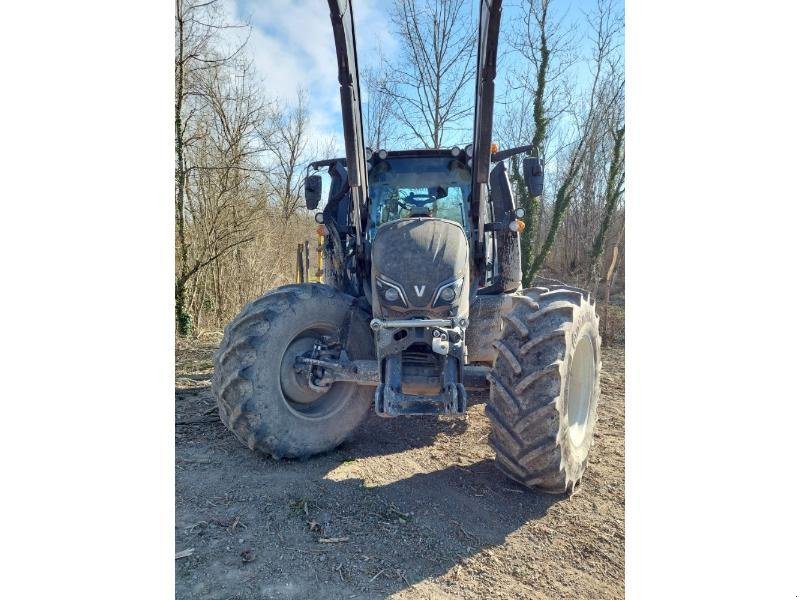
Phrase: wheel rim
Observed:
(580, 386)
(297, 395)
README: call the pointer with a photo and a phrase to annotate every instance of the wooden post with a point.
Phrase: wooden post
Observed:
(298, 278)
(609, 280)
(320, 249)
(307, 263)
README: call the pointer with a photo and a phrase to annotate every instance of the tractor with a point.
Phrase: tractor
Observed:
(422, 304)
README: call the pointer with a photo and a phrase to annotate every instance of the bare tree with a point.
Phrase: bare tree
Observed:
(539, 95)
(199, 60)
(285, 140)
(429, 86)
(598, 188)
(608, 25)
(379, 123)
(222, 171)
(613, 192)
(238, 166)
(605, 91)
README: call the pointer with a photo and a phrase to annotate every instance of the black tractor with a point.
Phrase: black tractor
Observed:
(422, 304)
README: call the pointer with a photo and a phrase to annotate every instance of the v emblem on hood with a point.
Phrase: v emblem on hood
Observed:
(419, 290)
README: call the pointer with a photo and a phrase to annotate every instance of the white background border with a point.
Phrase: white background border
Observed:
(86, 239)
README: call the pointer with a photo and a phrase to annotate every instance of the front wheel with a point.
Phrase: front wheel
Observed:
(544, 388)
(263, 399)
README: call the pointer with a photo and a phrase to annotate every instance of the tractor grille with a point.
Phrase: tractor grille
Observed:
(422, 371)
(416, 357)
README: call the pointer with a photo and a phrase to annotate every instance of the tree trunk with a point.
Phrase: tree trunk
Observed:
(612, 194)
(608, 283)
(183, 320)
(533, 205)
(563, 198)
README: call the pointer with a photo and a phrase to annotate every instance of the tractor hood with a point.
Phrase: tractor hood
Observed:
(420, 268)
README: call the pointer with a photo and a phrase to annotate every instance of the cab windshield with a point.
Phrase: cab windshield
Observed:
(435, 186)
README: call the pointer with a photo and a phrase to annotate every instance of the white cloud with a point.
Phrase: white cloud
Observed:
(291, 43)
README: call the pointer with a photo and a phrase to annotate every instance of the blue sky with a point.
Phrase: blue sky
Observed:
(291, 44)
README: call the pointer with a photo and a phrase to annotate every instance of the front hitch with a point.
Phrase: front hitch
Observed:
(420, 368)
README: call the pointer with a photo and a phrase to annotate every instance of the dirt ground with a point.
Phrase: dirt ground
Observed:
(409, 508)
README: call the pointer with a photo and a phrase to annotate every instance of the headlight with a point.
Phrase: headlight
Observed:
(448, 292)
(390, 292)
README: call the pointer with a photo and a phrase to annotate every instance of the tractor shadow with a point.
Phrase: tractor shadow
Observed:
(400, 533)
(429, 523)
(378, 436)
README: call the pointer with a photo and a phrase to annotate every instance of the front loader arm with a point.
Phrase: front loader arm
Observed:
(488, 33)
(347, 59)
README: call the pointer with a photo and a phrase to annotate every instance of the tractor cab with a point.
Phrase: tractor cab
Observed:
(432, 184)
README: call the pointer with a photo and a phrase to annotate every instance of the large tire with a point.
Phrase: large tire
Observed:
(545, 386)
(261, 399)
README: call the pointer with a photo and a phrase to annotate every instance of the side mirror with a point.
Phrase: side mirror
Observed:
(533, 174)
(313, 191)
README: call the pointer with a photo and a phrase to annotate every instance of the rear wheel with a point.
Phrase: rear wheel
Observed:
(544, 388)
(267, 404)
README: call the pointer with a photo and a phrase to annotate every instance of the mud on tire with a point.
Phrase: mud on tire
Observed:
(260, 397)
(545, 386)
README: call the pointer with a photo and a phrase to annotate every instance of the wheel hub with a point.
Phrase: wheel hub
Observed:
(295, 385)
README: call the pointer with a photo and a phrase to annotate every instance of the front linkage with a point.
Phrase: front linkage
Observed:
(407, 375)
(417, 383)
